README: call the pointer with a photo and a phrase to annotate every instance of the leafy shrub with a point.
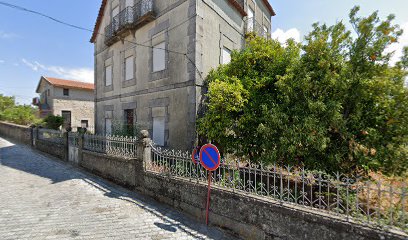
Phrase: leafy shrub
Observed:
(53, 122)
(334, 103)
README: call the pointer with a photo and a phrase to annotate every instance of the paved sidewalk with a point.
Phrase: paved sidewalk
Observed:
(41, 198)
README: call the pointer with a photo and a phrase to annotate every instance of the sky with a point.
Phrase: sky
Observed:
(32, 46)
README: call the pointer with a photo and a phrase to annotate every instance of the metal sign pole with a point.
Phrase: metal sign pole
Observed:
(208, 196)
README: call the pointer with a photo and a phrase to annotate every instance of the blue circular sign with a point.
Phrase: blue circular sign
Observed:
(210, 157)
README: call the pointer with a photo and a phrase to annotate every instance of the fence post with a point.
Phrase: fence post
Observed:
(32, 127)
(66, 145)
(143, 156)
(80, 147)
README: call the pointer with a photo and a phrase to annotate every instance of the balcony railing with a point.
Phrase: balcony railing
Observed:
(252, 26)
(129, 18)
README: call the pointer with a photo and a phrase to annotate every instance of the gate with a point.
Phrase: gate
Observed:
(73, 147)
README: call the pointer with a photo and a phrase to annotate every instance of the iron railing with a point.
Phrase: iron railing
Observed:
(374, 203)
(252, 26)
(128, 18)
(50, 135)
(119, 146)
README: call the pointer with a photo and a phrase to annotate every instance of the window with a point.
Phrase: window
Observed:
(129, 121)
(158, 130)
(108, 75)
(159, 57)
(250, 21)
(48, 92)
(65, 92)
(265, 31)
(108, 126)
(84, 123)
(115, 18)
(226, 55)
(66, 115)
(129, 3)
(129, 71)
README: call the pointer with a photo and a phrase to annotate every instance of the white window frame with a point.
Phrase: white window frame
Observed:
(129, 68)
(159, 57)
(265, 28)
(108, 127)
(108, 76)
(251, 19)
(159, 129)
(226, 55)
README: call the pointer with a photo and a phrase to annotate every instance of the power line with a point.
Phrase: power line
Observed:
(89, 30)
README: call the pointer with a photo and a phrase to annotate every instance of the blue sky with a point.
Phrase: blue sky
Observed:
(31, 46)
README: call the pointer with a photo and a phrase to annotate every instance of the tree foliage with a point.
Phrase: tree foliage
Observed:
(53, 122)
(333, 103)
(18, 114)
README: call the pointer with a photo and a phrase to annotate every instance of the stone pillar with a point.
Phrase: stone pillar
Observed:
(80, 147)
(32, 128)
(143, 157)
(66, 146)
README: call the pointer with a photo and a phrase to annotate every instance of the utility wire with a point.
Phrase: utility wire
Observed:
(89, 30)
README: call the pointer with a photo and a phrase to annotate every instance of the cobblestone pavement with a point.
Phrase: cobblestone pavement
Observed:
(42, 198)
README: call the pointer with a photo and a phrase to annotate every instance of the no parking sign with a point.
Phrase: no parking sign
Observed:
(209, 157)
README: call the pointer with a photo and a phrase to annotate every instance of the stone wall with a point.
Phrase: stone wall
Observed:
(80, 110)
(18, 133)
(54, 149)
(118, 170)
(252, 217)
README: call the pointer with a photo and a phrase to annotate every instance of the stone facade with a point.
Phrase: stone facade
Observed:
(194, 33)
(78, 100)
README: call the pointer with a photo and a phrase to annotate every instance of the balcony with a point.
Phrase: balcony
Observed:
(129, 19)
(252, 26)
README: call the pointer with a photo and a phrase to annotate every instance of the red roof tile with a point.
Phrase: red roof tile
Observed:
(68, 83)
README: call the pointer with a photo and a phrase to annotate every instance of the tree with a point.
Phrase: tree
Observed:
(53, 122)
(19, 114)
(333, 103)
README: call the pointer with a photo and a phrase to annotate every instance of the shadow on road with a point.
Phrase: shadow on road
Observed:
(25, 159)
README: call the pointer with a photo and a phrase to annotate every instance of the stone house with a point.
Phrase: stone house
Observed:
(152, 56)
(70, 99)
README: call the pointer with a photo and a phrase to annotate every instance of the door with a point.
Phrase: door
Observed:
(66, 115)
(129, 121)
(129, 11)
(115, 18)
(158, 130)
(108, 126)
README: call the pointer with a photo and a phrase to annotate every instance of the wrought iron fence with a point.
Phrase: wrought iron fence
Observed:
(51, 135)
(120, 146)
(374, 203)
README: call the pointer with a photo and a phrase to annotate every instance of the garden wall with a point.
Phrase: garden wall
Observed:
(21, 134)
(252, 217)
(118, 170)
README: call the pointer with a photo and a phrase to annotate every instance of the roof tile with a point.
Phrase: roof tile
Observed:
(70, 83)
